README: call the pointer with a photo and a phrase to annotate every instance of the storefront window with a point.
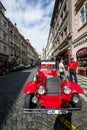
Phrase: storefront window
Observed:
(82, 61)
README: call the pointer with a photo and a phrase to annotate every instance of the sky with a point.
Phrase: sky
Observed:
(32, 18)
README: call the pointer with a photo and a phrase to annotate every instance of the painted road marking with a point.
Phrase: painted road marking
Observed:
(28, 70)
(66, 122)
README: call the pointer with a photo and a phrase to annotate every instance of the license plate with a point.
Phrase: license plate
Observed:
(48, 112)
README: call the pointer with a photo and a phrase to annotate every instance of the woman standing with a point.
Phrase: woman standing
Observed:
(61, 69)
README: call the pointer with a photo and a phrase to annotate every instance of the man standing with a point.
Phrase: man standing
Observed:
(73, 69)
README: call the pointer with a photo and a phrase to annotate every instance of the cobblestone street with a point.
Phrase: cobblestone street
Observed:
(14, 117)
(43, 64)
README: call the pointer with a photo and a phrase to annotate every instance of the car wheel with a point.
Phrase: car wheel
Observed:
(77, 105)
(28, 104)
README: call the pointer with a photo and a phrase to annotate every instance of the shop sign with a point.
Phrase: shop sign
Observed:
(81, 52)
(82, 41)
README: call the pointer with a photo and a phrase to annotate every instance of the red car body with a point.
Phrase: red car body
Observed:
(47, 90)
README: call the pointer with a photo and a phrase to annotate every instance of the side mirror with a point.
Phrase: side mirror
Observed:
(36, 78)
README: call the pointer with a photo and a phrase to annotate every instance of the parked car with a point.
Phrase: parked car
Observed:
(48, 91)
(21, 66)
(18, 67)
(2, 70)
(27, 66)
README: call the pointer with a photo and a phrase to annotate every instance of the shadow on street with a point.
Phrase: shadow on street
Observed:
(10, 87)
(63, 122)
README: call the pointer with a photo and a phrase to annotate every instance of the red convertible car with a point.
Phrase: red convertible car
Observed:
(47, 91)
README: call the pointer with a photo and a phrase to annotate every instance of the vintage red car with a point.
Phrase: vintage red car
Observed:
(48, 91)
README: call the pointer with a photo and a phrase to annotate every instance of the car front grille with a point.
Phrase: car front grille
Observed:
(53, 86)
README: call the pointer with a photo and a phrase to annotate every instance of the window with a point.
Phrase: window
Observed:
(86, 11)
(11, 40)
(4, 24)
(65, 31)
(11, 51)
(5, 49)
(62, 35)
(4, 36)
(83, 14)
(61, 16)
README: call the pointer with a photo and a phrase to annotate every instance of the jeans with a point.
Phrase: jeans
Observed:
(61, 75)
(73, 74)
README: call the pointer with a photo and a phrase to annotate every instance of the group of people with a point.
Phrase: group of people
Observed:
(72, 69)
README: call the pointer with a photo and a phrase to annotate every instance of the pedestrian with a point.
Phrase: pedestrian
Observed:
(73, 69)
(61, 69)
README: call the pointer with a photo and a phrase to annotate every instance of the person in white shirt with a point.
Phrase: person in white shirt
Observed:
(61, 68)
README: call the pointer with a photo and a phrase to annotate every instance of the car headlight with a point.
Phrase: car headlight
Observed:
(75, 98)
(35, 99)
(41, 90)
(67, 90)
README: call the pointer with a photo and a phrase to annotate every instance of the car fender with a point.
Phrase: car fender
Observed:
(30, 88)
(76, 88)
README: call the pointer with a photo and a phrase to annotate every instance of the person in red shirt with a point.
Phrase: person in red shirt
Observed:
(73, 69)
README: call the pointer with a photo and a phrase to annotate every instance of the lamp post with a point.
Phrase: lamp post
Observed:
(69, 54)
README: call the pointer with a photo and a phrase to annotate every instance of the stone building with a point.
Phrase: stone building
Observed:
(67, 35)
(60, 31)
(32, 54)
(79, 34)
(43, 56)
(4, 45)
(14, 48)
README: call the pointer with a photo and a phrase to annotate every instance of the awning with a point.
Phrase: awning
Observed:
(81, 52)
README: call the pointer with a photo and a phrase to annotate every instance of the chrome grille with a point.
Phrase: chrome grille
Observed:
(53, 86)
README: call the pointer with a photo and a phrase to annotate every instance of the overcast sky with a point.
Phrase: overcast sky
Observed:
(33, 19)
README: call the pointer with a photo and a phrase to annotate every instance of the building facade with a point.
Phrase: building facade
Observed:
(14, 48)
(68, 35)
(60, 34)
(4, 45)
(79, 36)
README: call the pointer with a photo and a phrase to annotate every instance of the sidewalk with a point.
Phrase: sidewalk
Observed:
(81, 80)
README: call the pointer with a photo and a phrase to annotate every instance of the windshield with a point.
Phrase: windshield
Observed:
(47, 66)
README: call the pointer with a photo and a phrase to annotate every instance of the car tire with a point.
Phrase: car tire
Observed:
(28, 104)
(78, 105)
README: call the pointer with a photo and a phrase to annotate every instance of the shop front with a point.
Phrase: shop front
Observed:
(82, 61)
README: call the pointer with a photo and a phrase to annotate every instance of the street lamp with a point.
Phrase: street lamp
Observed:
(69, 54)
